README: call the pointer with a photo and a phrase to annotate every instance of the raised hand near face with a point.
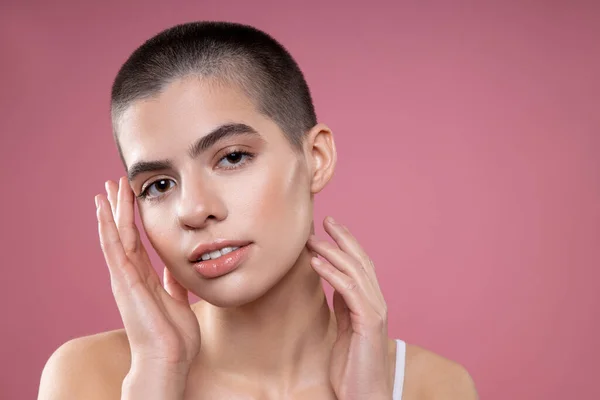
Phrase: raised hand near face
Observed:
(360, 362)
(163, 331)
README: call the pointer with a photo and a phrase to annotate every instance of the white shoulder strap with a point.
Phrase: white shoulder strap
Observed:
(400, 365)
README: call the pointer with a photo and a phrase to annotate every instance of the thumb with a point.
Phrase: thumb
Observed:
(173, 287)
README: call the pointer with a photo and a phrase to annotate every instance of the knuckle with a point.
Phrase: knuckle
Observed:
(130, 242)
(378, 320)
(116, 288)
(107, 242)
(363, 270)
(327, 246)
(351, 285)
(129, 249)
(381, 319)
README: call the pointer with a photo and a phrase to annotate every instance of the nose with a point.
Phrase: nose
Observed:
(199, 205)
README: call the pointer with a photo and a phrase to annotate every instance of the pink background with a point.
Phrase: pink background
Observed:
(469, 168)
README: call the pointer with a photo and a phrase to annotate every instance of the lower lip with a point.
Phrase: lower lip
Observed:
(222, 265)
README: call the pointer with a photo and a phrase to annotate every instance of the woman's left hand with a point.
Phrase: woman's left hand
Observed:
(360, 362)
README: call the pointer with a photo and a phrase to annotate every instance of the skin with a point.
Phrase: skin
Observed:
(264, 330)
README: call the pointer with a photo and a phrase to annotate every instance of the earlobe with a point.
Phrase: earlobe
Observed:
(322, 156)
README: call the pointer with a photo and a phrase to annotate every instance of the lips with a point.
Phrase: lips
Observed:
(216, 245)
(224, 264)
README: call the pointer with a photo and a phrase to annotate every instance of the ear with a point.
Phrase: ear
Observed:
(321, 156)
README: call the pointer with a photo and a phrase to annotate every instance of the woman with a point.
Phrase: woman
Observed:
(216, 129)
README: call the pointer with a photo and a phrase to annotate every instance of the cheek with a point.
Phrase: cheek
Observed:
(282, 206)
(159, 234)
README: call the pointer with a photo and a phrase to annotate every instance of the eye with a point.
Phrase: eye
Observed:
(235, 159)
(157, 188)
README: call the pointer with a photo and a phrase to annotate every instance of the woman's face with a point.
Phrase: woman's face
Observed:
(249, 185)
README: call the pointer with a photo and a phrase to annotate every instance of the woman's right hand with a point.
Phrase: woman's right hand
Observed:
(163, 332)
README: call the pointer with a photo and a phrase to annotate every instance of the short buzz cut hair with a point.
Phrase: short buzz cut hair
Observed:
(229, 52)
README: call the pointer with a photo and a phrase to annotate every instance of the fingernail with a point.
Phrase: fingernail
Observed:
(316, 261)
(96, 200)
(331, 220)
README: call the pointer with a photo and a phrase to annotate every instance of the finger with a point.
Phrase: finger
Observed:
(110, 242)
(125, 219)
(365, 319)
(345, 285)
(173, 287)
(111, 193)
(348, 243)
(130, 235)
(127, 286)
(334, 255)
(347, 264)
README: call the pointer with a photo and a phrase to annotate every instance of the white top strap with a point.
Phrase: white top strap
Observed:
(400, 365)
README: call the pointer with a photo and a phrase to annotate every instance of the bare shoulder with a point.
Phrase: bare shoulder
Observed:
(431, 376)
(91, 367)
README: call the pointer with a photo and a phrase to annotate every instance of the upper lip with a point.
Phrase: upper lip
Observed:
(216, 245)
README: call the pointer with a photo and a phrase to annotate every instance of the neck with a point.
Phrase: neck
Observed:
(285, 334)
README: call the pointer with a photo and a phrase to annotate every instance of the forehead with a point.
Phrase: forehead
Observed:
(183, 111)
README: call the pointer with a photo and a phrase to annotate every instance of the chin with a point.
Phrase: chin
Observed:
(237, 288)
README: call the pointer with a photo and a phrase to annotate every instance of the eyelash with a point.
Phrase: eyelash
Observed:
(249, 156)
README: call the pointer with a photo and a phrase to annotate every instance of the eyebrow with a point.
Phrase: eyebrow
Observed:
(196, 149)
